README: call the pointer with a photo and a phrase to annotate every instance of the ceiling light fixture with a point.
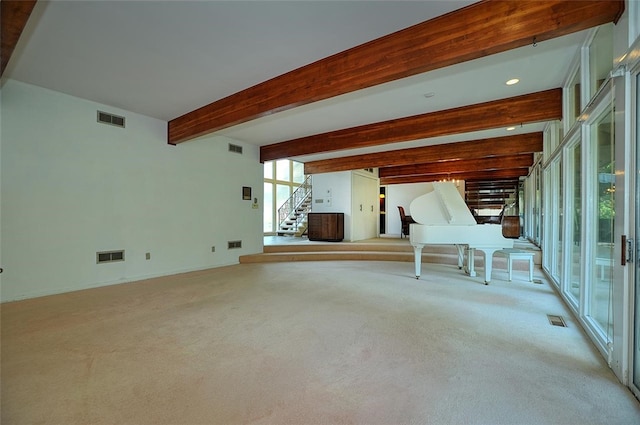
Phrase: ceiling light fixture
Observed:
(428, 95)
(512, 81)
(510, 128)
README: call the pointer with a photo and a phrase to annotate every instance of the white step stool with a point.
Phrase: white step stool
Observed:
(517, 254)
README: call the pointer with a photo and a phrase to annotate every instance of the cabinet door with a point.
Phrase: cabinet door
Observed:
(364, 208)
(315, 227)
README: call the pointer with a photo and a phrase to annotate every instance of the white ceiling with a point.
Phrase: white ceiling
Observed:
(166, 58)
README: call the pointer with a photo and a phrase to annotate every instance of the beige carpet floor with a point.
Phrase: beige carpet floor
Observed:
(306, 343)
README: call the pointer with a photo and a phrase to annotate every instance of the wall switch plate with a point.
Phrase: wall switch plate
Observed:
(148, 256)
(213, 249)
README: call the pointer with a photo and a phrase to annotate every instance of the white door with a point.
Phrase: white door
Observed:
(364, 207)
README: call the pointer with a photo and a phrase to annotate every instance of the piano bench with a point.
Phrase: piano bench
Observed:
(517, 254)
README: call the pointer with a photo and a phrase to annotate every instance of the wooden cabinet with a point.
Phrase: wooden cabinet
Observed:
(326, 227)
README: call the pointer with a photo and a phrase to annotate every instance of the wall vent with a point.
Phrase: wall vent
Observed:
(106, 118)
(109, 256)
(235, 148)
(556, 320)
(234, 244)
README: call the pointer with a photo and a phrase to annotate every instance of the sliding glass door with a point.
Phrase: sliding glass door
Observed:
(636, 302)
(574, 227)
(602, 212)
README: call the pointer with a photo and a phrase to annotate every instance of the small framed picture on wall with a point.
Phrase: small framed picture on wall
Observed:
(246, 193)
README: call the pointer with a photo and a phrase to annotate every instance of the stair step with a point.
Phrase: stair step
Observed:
(499, 263)
(356, 251)
(345, 256)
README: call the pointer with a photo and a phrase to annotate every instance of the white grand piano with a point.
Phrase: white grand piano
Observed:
(442, 217)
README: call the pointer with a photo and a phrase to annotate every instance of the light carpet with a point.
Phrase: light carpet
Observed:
(306, 343)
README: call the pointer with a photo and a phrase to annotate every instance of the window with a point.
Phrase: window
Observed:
(600, 57)
(574, 208)
(572, 99)
(288, 176)
(602, 210)
(552, 244)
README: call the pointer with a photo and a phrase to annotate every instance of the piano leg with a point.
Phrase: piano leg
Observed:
(417, 260)
(470, 268)
(488, 263)
(460, 256)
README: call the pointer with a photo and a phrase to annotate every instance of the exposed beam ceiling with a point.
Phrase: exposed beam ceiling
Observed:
(536, 107)
(498, 146)
(360, 107)
(481, 29)
(14, 16)
(467, 176)
(442, 167)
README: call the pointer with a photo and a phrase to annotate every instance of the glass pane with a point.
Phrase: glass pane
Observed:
(601, 56)
(268, 170)
(283, 193)
(298, 172)
(602, 264)
(267, 211)
(282, 170)
(538, 206)
(576, 223)
(548, 215)
(636, 343)
(559, 223)
(574, 99)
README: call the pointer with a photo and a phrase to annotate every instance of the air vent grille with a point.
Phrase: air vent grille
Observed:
(556, 320)
(235, 148)
(109, 256)
(234, 244)
(106, 118)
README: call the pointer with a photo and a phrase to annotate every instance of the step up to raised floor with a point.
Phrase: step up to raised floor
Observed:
(440, 254)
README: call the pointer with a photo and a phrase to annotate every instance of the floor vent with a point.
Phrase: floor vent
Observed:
(109, 256)
(235, 148)
(556, 320)
(538, 281)
(234, 244)
(106, 118)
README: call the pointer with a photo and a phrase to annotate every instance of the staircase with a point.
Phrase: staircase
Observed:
(292, 215)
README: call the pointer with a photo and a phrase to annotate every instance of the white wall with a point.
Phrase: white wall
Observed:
(400, 195)
(72, 187)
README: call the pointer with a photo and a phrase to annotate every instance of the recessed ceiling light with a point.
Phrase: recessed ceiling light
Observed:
(428, 95)
(512, 81)
(510, 128)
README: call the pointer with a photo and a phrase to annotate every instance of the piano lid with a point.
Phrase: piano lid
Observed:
(441, 205)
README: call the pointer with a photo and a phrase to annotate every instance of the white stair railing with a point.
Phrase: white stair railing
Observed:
(293, 211)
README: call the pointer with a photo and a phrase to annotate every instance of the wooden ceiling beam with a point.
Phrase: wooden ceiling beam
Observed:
(529, 108)
(497, 146)
(478, 30)
(481, 188)
(13, 18)
(478, 175)
(481, 164)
